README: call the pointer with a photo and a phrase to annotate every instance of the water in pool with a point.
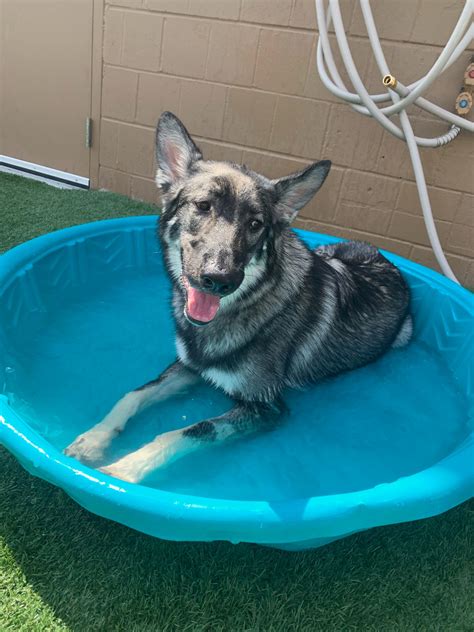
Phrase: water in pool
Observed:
(352, 432)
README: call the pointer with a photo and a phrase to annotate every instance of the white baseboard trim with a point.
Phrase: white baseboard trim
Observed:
(22, 166)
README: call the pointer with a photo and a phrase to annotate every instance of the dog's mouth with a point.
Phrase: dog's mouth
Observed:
(201, 307)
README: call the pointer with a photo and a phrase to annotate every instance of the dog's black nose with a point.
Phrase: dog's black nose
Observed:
(222, 283)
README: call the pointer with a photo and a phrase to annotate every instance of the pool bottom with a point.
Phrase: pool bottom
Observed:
(363, 428)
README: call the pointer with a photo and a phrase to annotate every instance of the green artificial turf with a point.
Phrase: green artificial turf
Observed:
(62, 568)
(29, 208)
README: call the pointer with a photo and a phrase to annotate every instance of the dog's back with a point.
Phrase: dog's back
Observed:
(363, 311)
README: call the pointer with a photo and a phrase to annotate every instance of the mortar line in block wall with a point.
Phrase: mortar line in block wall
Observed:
(206, 18)
(160, 64)
(137, 92)
(399, 193)
(272, 126)
(417, 13)
(390, 223)
(217, 83)
(448, 238)
(379, 148)
(180, 97)
(292, 11)
(326, 131)
(226, 105)
(122, 34)
(340, 190)
(301, 159)
(256, 58)
(351, 18)
(208, 50)
(271, 27)
(312, 56)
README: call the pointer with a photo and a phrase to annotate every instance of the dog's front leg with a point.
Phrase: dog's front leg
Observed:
(243, 419)
(89, 447)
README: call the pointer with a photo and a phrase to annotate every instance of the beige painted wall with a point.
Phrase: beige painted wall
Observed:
(45, 81)
(242, 76)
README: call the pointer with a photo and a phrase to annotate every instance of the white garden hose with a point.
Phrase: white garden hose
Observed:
(400, 95)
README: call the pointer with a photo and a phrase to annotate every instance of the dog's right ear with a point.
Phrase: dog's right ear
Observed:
(296, 190)
(175, 151)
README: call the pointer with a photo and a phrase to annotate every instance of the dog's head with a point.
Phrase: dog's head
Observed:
(219, 218)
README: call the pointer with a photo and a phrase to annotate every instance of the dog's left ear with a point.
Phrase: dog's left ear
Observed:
(175, 150)
(296, 190)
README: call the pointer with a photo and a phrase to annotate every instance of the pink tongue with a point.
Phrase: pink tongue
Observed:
(201, 306)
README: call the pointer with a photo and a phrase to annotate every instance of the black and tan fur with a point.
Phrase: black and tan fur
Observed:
(288, 316)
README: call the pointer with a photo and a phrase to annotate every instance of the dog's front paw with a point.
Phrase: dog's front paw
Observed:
(90, 446)
(123, 470)
(136, 466)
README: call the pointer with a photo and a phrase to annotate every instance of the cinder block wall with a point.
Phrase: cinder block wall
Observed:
(241, 74)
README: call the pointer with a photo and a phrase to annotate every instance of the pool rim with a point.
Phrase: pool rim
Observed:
(430, 491)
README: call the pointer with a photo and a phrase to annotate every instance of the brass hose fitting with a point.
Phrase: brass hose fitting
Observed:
(389, 81)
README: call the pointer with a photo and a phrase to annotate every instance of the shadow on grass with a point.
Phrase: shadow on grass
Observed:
(97, 575)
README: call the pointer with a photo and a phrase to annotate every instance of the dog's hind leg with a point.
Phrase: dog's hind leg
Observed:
(245, 418)
(90, 446)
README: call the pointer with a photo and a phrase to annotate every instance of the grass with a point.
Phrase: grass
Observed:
(62, 568)
(29, 208)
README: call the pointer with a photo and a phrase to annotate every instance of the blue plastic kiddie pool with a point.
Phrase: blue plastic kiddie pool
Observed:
(85, 317)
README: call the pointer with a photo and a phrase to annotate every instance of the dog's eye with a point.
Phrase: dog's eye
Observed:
(204, 206)
(255, 224)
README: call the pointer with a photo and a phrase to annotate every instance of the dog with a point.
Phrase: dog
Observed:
(256, 311)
